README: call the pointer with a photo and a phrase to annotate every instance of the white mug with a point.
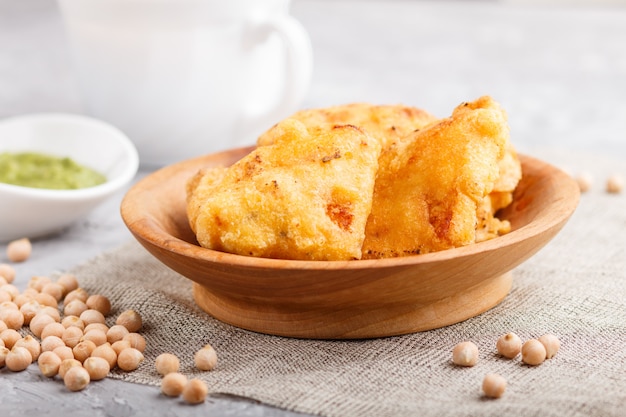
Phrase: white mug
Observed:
(183, 78)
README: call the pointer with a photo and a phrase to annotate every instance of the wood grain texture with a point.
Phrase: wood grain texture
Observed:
(346, 299)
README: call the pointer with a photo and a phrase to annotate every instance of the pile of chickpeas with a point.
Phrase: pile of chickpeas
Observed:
(69, 337)
(533, 352)
(175, 383)
(74, 342)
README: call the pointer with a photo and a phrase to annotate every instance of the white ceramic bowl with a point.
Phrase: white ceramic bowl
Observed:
(32, 212)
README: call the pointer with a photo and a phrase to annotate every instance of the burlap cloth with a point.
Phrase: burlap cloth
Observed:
(574, 288)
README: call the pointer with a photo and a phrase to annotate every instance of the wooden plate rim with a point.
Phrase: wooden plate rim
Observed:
(149, 232)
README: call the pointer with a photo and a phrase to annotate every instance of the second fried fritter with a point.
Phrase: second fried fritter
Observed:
(432, 183)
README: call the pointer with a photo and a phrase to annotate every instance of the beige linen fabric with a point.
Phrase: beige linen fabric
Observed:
(574, 288)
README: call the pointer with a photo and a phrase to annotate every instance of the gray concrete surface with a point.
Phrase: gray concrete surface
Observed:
(559, 70)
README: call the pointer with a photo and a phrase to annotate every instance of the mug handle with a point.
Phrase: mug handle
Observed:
(298, 71)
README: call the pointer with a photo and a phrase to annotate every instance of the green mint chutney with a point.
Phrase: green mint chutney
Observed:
(36, 170)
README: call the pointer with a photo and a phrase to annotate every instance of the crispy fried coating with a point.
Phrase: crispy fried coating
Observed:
(431, 184)
(303, 198)
(488, 224)
(198, 188)
(386, 123)
(510, 173)
(362, 181)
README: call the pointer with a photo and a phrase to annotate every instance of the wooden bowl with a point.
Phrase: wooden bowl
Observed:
(346, 299)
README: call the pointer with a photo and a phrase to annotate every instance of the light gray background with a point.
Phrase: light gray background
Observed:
(558, 69)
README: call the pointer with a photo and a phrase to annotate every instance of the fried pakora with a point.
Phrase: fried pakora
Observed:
(432, 184)
(306, 198)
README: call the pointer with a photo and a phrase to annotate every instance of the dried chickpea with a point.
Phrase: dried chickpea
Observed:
(29, 309)
(173, 384)
(31, 345)
(465, 354)
(98, 337)
(98, 368)
(107, 353)
(64, 352)
(533, 352)
(131, 320)
(99, 332)
(79, 294)
(116, 332)
(76, 378)
(22, 299)
(5, 295)
(38, 281)
(39, 322)
(13, 318)
(18, 359)
(52, 312)
(67, 364)
(3, 355)
(136, 341)
(11, 305)
(551, 343)
(3, 326)
(31, 292)
(52, 329)
(2, 343)
(46, 300)
(54, 289)
(7, 272)
(8, 305)
(68, 282)
(19, 250)
(97, 326)
(129, 359)
(74, 308)
(494, 385)
(51, 342)
(166, 363)
(90, 316)
(9, 337)
(120, 345)
(614, 184)
(49, 363)
(71, 336)
(206, 358)
(83, 350)
(100, 303)
(509, 345)
(73, 321)
(195, 391)
(11, 289)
